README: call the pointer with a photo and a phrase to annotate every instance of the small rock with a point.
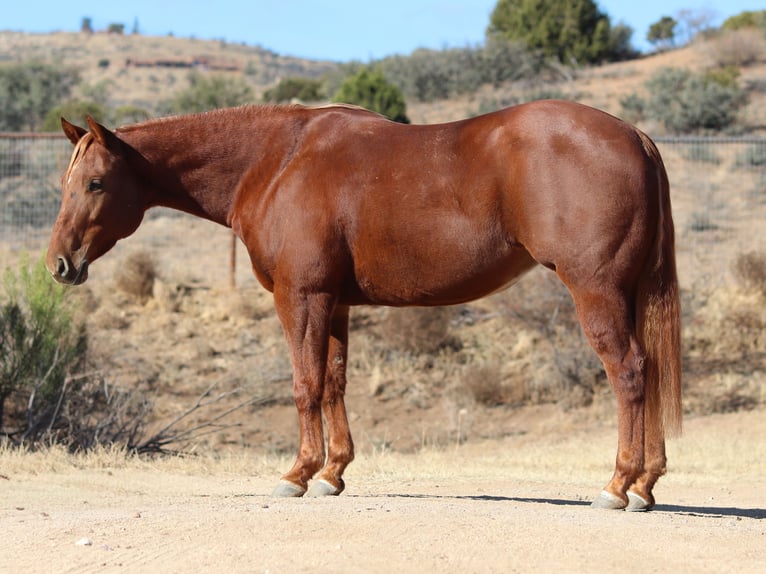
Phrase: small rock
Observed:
(84, 542)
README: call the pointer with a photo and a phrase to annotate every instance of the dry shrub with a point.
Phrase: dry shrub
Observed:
(750, 270)
(739, 48)
(488, 387)
(419, 330)
(558, 363)
(136, 277)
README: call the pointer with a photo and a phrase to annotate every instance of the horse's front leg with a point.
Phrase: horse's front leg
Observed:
(306, 322)
(340, 447)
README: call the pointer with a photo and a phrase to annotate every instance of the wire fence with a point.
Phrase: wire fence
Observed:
(718, 192)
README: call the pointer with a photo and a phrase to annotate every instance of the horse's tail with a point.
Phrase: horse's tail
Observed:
(658, 315)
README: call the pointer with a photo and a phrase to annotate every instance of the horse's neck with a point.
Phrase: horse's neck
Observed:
(198, 161)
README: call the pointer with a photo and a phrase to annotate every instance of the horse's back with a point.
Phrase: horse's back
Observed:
(446, 213)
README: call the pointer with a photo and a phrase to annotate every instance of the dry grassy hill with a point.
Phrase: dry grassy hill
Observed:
(142, 70)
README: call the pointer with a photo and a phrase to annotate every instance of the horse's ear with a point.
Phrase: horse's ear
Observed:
(73, 132)
(104, 136)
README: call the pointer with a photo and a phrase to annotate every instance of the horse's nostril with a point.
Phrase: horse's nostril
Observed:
(63, 267)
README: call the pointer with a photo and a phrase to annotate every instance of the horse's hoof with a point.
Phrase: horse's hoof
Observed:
(287, 489)
(608, 501)
(323, 488)
(637, 503)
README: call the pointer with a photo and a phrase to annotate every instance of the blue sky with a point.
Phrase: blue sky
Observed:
(340, 30)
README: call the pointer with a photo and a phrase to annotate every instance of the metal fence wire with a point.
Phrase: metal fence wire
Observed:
(718, 188)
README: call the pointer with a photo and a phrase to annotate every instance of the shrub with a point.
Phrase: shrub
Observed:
(750, 269)
(370, 89)
(74, 111)
(742, 47)
(41, 344)
(28, 91)
(136, 277)
(289, 89)
(209, 93)
(687, 103)
(744, 20)
(633, 108)
(419, 330)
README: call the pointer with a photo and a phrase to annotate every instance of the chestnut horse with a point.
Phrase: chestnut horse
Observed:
(338, 206)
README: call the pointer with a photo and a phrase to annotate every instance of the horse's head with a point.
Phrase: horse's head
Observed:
(101, 201)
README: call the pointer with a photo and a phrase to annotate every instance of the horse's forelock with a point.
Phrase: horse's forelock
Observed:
(79, 151)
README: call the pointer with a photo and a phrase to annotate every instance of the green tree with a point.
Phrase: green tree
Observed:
(570, 30)
(209, 92)
(86, 26)
(29, 91)
(370, 89)
(295, 88)
(662, 33)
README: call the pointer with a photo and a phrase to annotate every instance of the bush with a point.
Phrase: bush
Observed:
(429, 75)
(41, 345)
(739, 48)
(633, 108)
(744, 20)
(136, 277)
(74, 111)
(209, 93)
(28, 91)
(419, 330)
(750, 269)
(370, 89)
(289, 89)
(689, 103)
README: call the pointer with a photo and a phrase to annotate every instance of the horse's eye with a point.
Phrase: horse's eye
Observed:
(95, 185)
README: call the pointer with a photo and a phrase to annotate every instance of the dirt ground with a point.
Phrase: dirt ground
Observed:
(514, 505)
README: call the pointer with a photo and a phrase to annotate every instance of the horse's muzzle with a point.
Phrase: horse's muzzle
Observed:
(66, 272)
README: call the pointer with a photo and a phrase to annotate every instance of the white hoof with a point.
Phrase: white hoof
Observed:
(608, 501)
(637, 503)
(287, 489)
(322, 488)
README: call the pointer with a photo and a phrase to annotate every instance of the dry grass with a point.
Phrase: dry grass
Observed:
(716, 447)
(739, 48)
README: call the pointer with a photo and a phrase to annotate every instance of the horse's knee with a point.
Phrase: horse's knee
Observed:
(307, 394)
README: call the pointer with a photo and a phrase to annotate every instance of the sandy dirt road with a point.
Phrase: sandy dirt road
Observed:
(518, 505)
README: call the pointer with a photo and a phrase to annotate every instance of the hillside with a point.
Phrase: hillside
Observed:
(143, 70)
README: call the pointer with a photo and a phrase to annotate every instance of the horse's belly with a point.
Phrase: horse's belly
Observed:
(442, 279)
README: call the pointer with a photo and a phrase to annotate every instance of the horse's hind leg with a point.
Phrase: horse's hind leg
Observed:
(606, 319)
(340, 447)
(640, 492)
